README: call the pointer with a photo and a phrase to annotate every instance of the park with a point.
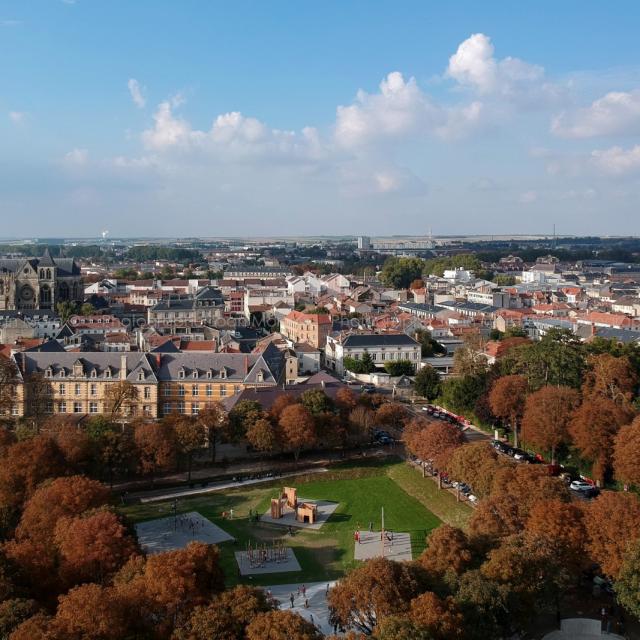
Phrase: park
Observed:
(309, 530)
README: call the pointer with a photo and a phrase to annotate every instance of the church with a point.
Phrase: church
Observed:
(39, 283)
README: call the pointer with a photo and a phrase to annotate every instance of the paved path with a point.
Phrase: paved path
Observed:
(221, 486)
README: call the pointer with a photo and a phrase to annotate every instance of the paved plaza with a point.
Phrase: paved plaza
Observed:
(290, 563)
(397, 546)
(316, 594)
(169, 534)
(325, 509)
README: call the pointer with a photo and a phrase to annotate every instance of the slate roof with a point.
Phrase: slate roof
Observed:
(379, 339)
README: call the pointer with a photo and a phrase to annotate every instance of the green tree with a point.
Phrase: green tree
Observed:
(87, 309)
(399, 368)
(427, 383)
(317, 401)
(365, 365)
(627, 585)
(399, 273)
(462, 393)
(65, 310)
(428, 346)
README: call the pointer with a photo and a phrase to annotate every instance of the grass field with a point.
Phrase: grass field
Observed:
(360, 489)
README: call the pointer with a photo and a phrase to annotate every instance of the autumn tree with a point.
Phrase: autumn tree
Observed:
(433, 442)
(316, 401)
(26, 464)
(610, 377)
(440, 617)
(593, 428)
(13, 612)
(626, 453)
(216, 425)
(345, 401)
(281, 625)
(392, 415)
(156, 447)
(448, 549)
(38, 397)
(547, 414)
(297, 429)
(190, 437)
(91, 612)
(37, 627)
(73, 441)
(8, 381)
(474, 463)
(281, 402)
(361, 422)
(469, 359)
(114, 450)
(92, 546)
(372, 591)
(242, 416)
(507, 401)
(612, 521)
(262, 436)
(120, 399)
(226, 616)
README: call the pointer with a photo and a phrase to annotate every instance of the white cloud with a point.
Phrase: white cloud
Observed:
(137, 93)
(76, 158)
(528, 197)
(616, 160)
(616, 113)
(474, 65)
(17, 117)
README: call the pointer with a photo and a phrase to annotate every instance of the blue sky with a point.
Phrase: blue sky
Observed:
(277, 118)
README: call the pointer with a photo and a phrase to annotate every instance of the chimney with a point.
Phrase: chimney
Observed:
(322, 383)
(123, 367)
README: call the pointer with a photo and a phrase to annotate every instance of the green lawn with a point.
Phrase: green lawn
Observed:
(327, 553)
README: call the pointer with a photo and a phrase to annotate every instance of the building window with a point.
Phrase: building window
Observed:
(236, 388)
(49, 408)
(181, 390)
(223, 390)
(62, 407)
(195, 408)
(147, 393)
(77, 389)
(93, 407)
(180, 407)
(141, 376)
(166, 408)
(62, 389)
(93, 390)
(181, 374)
(146, 410)
(167, 391)
(209, 390)
(194, 390)
(77, 407)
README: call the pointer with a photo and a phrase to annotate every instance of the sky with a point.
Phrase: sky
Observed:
(202, 118)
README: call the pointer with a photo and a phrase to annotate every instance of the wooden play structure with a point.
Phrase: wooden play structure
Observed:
(258, 555)
(306, 512)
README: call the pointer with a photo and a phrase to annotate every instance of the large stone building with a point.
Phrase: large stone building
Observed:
(312, 328)
(78, 382)
(39, 283)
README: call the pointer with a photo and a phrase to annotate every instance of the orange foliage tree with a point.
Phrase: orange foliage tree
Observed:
(281, 625)
(507, 400)
(626, 454)
(156, 446)
(297, 429)
(432, 442)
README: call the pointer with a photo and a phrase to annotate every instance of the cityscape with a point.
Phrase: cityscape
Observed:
(354, 358)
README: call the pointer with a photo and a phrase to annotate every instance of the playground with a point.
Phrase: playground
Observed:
(264, 547)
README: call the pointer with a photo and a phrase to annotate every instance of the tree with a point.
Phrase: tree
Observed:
(397, 368)
(91, 612)
(507, 401)
(65, 310)
(627, 585)
(433, 442)
(226, 616)
(427, 383)
(297, 429)
(428, 346)
(262, 436)
(156, 447)
(120, 399)
(87, 309)
(546, 418)
(593, 428)
(365, 365)
(345, 401)
(281, 625)
(462, 393)
(281, 402)
(392, 415)
(25, 465)
(217, 426)
(114, 450)
(14, 612)
(474, 463)
(37, 627)
(612, 521)
(448, 549)
(372, 591)
(396, 628)
(441, 618)
(73, 441)
(399, 273)
(626, 453)
(361, 421)
(92, 546)
(38, 396)
(242, 416)
(316, 401)
(610, 377)
(469, 359)
(190, 436)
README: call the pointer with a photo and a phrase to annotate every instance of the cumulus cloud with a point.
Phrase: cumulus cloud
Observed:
(616, 160)
(474, 65)
(137, 93)
(616, 113)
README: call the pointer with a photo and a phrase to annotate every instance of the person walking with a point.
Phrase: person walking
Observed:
(304, 591)
(292, 600)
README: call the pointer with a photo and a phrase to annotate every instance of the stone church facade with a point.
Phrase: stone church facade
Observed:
(39, 283)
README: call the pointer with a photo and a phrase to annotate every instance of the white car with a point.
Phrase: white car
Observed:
(579, 485)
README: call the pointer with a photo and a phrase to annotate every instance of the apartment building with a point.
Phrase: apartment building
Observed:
(312, 328)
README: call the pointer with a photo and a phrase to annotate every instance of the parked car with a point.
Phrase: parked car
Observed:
(584, 488)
